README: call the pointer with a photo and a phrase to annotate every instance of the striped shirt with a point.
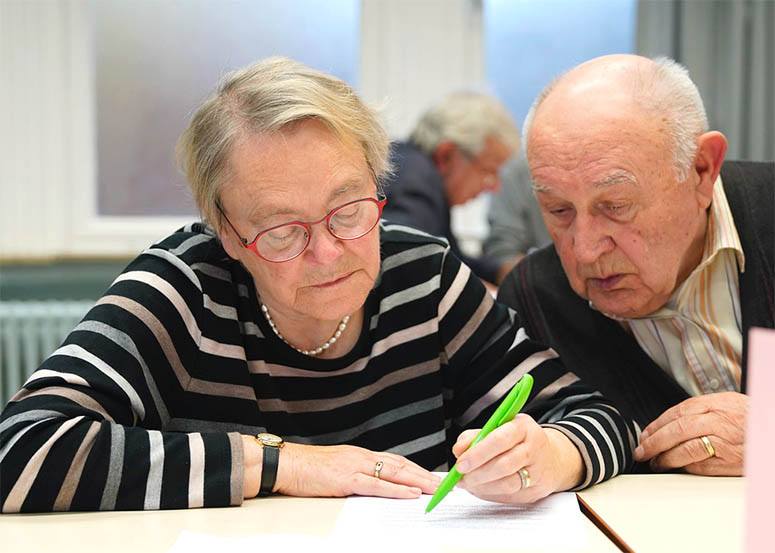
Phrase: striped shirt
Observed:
(697, 336)
(143, 405)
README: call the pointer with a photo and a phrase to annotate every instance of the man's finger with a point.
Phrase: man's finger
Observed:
(673, 434)
(693, 406)
(689, 452)
(714, 466)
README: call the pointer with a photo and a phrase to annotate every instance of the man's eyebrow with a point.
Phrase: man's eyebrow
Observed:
(617, 177)
(538, 187)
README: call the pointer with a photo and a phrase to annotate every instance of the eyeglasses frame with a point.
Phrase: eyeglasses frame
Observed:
(307, 225)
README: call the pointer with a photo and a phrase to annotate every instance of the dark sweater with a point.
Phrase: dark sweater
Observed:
(599, 350)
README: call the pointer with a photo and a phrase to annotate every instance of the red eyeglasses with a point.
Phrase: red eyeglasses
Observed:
(289, 240)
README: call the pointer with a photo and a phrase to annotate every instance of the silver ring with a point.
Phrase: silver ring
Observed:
(708, 446)
(524, 477)
(378, 469)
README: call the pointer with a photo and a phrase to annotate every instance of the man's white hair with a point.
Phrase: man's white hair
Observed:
(663, 89)
(466, 119)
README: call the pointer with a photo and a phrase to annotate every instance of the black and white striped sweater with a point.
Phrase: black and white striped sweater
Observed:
(143, 405)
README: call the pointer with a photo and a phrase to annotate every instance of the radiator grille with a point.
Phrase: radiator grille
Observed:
(29, 332)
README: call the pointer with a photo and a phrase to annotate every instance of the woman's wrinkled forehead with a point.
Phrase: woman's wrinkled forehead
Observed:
(302, 168)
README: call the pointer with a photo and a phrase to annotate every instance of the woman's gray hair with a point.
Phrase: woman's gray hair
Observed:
(466, 119)
(264, 98)
(664, 89)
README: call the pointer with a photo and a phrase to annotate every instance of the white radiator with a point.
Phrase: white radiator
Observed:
(29, 332)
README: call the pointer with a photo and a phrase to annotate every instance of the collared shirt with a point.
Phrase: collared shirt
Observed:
(697, 336)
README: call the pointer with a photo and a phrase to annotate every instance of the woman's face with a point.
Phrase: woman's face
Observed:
(301, 174)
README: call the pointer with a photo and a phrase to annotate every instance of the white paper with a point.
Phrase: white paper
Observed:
(462, 520)
(377, 525)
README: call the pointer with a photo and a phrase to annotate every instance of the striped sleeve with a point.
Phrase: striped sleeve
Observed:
(486, 353)
(86, 430)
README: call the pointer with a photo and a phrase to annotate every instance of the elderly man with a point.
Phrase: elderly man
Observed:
(662, 257)
(454, 154)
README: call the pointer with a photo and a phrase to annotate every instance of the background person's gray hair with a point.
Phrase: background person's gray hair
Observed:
(264, 98)
(665, 89)
(466, 119)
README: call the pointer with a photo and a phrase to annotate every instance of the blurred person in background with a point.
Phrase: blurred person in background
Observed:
(454, 153)
(516, 226)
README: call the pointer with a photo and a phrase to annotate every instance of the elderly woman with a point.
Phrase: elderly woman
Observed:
(363, 348)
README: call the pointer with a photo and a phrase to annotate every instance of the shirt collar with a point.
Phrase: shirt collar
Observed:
(722, 233)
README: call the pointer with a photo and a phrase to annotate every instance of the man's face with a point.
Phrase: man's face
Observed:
(467, 176)
(627, 232)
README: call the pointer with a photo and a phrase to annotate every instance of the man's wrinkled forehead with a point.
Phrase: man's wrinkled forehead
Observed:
(609, 180)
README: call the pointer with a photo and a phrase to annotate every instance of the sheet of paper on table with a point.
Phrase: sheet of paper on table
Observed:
(460, 521)
(463, 521)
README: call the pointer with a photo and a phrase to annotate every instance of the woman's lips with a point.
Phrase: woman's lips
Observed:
(607, 283)
(332, 283)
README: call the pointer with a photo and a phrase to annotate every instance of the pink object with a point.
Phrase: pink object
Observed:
(760, 442)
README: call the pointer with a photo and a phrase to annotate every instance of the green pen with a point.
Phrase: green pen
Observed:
(506, 411)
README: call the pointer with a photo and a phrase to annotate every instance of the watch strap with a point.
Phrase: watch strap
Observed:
(269, 469)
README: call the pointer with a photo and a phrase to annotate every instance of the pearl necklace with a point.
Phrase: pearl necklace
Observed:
(311, 352)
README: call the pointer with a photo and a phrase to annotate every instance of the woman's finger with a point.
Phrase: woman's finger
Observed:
(400, 470)
(463, 441)
(502, 466)
(498, 441)
(375, 487)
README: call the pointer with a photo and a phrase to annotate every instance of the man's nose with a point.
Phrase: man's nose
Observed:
(590, 239)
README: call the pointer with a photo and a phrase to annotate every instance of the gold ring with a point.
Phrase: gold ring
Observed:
(708, 446)
(524, 477)
(378, 469)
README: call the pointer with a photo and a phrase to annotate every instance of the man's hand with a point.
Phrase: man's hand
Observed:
(674, 439)
(491, 469)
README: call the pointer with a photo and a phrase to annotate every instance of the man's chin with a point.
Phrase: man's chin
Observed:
(617, 304)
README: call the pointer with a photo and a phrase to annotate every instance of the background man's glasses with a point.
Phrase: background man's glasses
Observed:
(287, 241)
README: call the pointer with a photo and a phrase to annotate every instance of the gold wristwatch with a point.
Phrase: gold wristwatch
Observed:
(271, 444)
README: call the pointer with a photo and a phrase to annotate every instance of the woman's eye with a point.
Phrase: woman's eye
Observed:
(282, 233)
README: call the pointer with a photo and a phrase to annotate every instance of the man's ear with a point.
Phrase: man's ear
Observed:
(443, 156)
(711, 148)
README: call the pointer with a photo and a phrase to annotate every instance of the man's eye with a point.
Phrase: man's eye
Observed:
(560, 211)
(618, 209)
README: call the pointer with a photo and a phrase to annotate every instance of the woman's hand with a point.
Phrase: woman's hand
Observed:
(342, 470)
(491, 469)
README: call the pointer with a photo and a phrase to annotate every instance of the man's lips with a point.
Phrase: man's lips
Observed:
(335, 282)
(607, 283)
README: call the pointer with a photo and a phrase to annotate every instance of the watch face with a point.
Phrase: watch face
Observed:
(269, 439)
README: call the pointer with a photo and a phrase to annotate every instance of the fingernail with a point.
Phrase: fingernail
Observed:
(462, 466)
(644, 435)
(638, 452)
(417, 491)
